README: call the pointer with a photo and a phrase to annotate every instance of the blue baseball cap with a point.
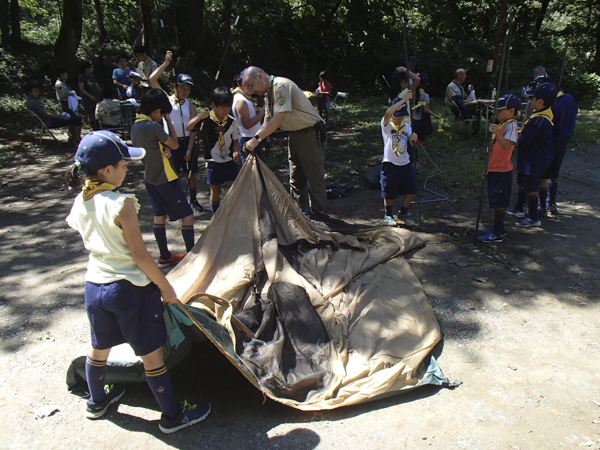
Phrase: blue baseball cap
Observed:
(183, 78)
(102, 148)
(402, 112)
(424, 79)
(545, 91)
(509, 101)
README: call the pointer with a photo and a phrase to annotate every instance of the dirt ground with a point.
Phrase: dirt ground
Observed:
(520, 321)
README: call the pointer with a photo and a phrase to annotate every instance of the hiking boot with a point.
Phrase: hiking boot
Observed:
(389, 220)
(527, 223)
(189, 415)
(490, 237)
(113, 395)
(174, 259)
(406, 220)
(197, 206)
(491, 230)
(552, 210)
(515, 213)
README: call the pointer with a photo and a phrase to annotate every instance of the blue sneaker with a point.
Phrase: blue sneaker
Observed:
(389, 220)
(515, 213)
(189, 415)
(113, 395)
(527, 223)
(406, 220)
(490, 237)
(491, 230)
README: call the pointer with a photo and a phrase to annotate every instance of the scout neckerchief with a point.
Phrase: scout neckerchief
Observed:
(63, 82)
(221, 130)
(399, 132)
(237, 90)
(91, 187)
(271, 95)
(177, 100)
(560, 94)
(500, 126)
(545, 113)
(169, 172)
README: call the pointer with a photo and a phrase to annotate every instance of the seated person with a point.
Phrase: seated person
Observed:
(455, 92)
(108, 111)
(53, 120)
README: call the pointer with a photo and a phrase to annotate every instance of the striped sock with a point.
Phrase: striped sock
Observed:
(160, 234)
(188, 236)
(95, 374)
(160, 385)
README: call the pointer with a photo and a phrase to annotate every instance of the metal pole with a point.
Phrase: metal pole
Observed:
(408, 104)
(489, 149)
(563, 64)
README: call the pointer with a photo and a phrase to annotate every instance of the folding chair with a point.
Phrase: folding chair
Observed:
(457, 116)
(110, 117)
(41, 129)
(339, 97)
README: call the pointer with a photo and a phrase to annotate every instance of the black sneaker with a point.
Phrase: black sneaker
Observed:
(113, 395)
(197, 206)
(189, 415)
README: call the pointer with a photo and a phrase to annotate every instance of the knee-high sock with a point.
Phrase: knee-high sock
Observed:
(192, 194)
(95, 374)
(160, 385)
(543, 195)
(553, 189)
(389, 210)
(188, 236)
(160, 234)
(521, 197)
(498, 228)
(214, 206)
(532, 203)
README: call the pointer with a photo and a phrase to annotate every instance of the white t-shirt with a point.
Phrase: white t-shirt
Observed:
(390, 137)
(250, 132)
(110, 257)
(176, 118)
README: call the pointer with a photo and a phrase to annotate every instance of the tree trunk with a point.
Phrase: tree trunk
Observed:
(69, 36)
(540, 19)
(147, 24)
(15, 22)
(4, 23)
(190, 30)
(100, 23)
(597, 40)
(498, 43)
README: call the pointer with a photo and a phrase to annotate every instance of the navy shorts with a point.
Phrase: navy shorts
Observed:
(58, 122)
(178, 157)
(499, 189)
(168, 199)
(397, 180)
(219, 173)
(560, 150)
(120, 312)
(257, 151)
(530, 183)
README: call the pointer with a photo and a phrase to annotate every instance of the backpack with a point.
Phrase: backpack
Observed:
(373, 171)
(337, 190)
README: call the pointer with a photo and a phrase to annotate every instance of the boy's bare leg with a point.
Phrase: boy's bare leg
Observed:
(215, 195)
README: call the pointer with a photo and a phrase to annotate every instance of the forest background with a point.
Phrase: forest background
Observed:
(356, 41)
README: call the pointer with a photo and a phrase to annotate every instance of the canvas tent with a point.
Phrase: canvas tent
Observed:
(313, 317)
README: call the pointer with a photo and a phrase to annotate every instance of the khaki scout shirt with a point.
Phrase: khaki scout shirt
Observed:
(285, 96)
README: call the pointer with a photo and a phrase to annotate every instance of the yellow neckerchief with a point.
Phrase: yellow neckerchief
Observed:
(221, 130)
(238, 90)
(500, 126)
(545, 113)
(399, 131)
(91, 187)
(178, 101)
(169, 172)
(560, 94)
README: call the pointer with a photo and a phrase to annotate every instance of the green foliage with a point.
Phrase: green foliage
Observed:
(585, 88)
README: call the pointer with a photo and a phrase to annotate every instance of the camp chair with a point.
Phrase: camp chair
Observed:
(41, 129)
(339, 102)
(456, 116)
(110, 117)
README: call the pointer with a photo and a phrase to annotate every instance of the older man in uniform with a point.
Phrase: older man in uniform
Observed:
(290, 110)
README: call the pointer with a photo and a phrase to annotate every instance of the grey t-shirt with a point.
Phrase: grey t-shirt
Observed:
(33, 105)
(147, 134)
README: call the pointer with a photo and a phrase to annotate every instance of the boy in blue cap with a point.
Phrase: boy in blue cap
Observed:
(397, 174)
(535, 154)
(499, 177)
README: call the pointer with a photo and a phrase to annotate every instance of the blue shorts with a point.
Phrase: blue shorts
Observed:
(168, 199)
(219, 173)
(397, 180)
(530, 183)
(560, 150)
(499, 189)
(120, 312)
(178, 157)
(257, 150)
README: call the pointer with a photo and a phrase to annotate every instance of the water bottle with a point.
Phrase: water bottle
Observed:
(494, 92)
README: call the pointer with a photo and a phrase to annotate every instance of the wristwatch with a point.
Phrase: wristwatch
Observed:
(257, 137)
